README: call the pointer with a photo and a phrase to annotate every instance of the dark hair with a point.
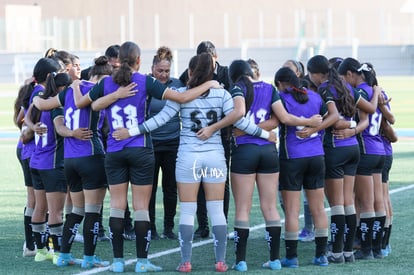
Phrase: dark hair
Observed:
(129, 52)
(43, 67)
(64, 56)
(335, 62)
(53, 83)
(307, 83)
(101, 67)
(239, 73)
(206, 47)
(299, 66)
(22, 99)
(345, 102)
(112, 51)
(163, 53)
(353, 65)
(203, 70)
(287, 76)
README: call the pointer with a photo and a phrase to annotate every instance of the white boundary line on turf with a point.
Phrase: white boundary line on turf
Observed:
(201, 243)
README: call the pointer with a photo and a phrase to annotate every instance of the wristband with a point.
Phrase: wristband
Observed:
(353, 124)
(134, 131)
(265, 134)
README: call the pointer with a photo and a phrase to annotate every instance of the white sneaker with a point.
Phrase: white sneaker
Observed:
(27, 252)
(78, 238)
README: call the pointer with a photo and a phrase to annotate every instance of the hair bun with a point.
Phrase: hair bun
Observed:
(102, 60)
(164, 53)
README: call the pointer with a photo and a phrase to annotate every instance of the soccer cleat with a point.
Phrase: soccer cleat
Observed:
(201, 232)
(306, 236)
(273, 265)
(184, 267)
(146, 266)
(169, 235)
(27, 252)
(377, 254)
(65, 259)
(291, 263)
(360, 255)
(93, 261)
(43, 255)
(118, 265)
(240, 266)
(221, 267)
(350, 258)
(336, 259)
(321, 261)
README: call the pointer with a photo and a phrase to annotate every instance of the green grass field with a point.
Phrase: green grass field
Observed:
(12, 199)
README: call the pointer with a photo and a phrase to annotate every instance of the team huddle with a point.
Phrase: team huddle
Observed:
(213, 130)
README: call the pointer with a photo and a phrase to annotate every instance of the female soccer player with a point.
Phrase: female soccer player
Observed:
(341, 157)
(368, 186)
(301, 164)
(130, 160)
(255, 160)
(84, 165)
(46, 166)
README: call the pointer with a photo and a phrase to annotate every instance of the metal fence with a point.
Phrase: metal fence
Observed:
(387, 60)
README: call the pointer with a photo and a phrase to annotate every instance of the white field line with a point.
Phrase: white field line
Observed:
(201, 243)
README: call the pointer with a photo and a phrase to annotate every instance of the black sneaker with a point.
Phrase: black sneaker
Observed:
(169, 235)
(349, 259)
(201, 233)
(102, 236)
(154, 235)
(129, 234)
(377, 254)
(360, 255)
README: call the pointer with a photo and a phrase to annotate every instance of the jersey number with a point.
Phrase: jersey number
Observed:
(210, 115)
(72, 118)
(375, 124)
(130, 113)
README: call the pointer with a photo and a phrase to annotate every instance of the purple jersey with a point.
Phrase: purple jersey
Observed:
(29, 147)
(260, 110)
(81, 118)
(370, 141)
(292, 146)
(48, 153)
(128, 112)
(385, 141)
(329, 140)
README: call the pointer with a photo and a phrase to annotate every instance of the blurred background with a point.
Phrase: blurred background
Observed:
(269, 31)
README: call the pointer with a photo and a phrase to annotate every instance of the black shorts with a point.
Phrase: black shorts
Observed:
(132, 164)
(252, 158)
(51, 180)
(85, 173)
(307, 172)
(24, 163)
(386, 169)
(370, 164)
(341, 161)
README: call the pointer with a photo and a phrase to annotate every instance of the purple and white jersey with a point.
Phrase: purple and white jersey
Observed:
(48, 153)
(196, 114)
(386, 142)
(29, 147)
(291, 146)
(128, 112)
(81, 118)
(370, 141)
(260, 110)
(329, 140)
